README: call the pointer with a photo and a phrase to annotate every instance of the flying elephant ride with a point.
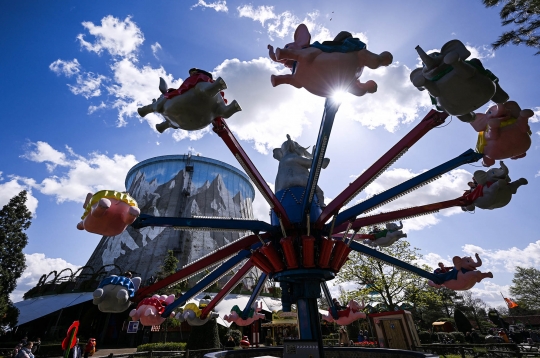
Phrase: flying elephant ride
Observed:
(324, 69)
(194, 105)
(503, 132)
(347, 315)
(114, 292)
(236, 315)
(386, 237)
(463, 276)
(150, 310)
(457, 85)
(307, 242)
(108, 212)
(492, 189)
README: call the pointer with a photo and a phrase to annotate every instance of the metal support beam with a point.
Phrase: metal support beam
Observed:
(199, 265)
(402, 214)
(229, 286)
(210, 279)
(430, 121)
(377, 255)
(222, 130)
(330, 109)
(387, 196)
(331, 307)
(203, 224)
(254, 295)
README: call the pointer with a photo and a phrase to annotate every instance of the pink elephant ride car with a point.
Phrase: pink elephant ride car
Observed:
(108, 212)
(347, 315)
(503, 132)
(149, 310)
(463, 276)
(327, 68)
(236, 316)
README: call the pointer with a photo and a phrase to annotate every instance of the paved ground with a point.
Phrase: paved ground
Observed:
(106, 352)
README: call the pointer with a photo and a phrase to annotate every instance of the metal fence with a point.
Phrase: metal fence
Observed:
(503, 350)
(195, 353)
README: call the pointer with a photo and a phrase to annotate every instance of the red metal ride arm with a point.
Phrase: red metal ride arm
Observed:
(227, 288)
(198, 266)
(430, 121)
(221, 128)
(403, 214)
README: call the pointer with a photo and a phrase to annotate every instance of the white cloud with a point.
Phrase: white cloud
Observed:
(480, 52)
(118, 38)
(220, 5)
(37, 265)
(92, 109)
(73, 176)
(155, 48)
(536, 117)
(67, 68)
(13, 187)
(193, 151)
(450, 186)
(261, 209)
(180, 134)
(261, 13)
(505, 260)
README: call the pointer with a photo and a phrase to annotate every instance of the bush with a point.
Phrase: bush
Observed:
(172, 346)
(425, 337)
(458, 337)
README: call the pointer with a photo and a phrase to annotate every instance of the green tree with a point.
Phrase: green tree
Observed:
(14, 220)
(525, 15)
(472, 306)
(526, 287)
(462, 322)
(390, 284)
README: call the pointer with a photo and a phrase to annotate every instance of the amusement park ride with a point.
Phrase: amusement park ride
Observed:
(307, 243)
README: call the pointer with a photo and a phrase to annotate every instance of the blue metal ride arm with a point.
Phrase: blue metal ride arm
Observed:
(377, 255)
(330, 109)
(331, 307)
(254, 295)
(210, 279)
(205, 224)
(387, 196)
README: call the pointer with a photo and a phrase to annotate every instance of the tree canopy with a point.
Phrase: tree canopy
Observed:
(14, 220)
(525, 15)
(386, 283)
(526, 287)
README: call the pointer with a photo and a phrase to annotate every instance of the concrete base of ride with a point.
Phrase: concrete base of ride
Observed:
(329, 352)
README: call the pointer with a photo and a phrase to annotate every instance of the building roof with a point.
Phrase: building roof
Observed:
(35, 308)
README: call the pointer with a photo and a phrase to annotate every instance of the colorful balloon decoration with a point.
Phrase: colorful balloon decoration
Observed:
(503, 132)
(463, 276)
(194, 105)
(149, 310)
(114, 292)
(327, 68)
(108, 212)
(492, 189)
(457, 85)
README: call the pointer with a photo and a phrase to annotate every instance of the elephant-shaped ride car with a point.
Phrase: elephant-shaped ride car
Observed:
(114, 292)
(149, 310)
(236, 315)
(348, 315)
(503, 132)
(494, 189)
(108, 212)
(194, 105)
(463, 276)
(292, 176)
(191, 314)
(385, 238)
(327, 68)
(457, 86)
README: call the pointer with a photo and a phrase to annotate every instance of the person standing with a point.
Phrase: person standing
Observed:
(75, 352)
(343, 337)
(37, 344)
(26, 351)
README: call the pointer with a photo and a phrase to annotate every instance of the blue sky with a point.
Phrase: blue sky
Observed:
(73, 76)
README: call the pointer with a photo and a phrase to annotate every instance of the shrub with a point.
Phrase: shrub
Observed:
(366, 344)
(171, 346)
(458, 337)
(425, 337)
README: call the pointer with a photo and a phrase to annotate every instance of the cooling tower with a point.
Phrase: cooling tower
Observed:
(176, 185)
